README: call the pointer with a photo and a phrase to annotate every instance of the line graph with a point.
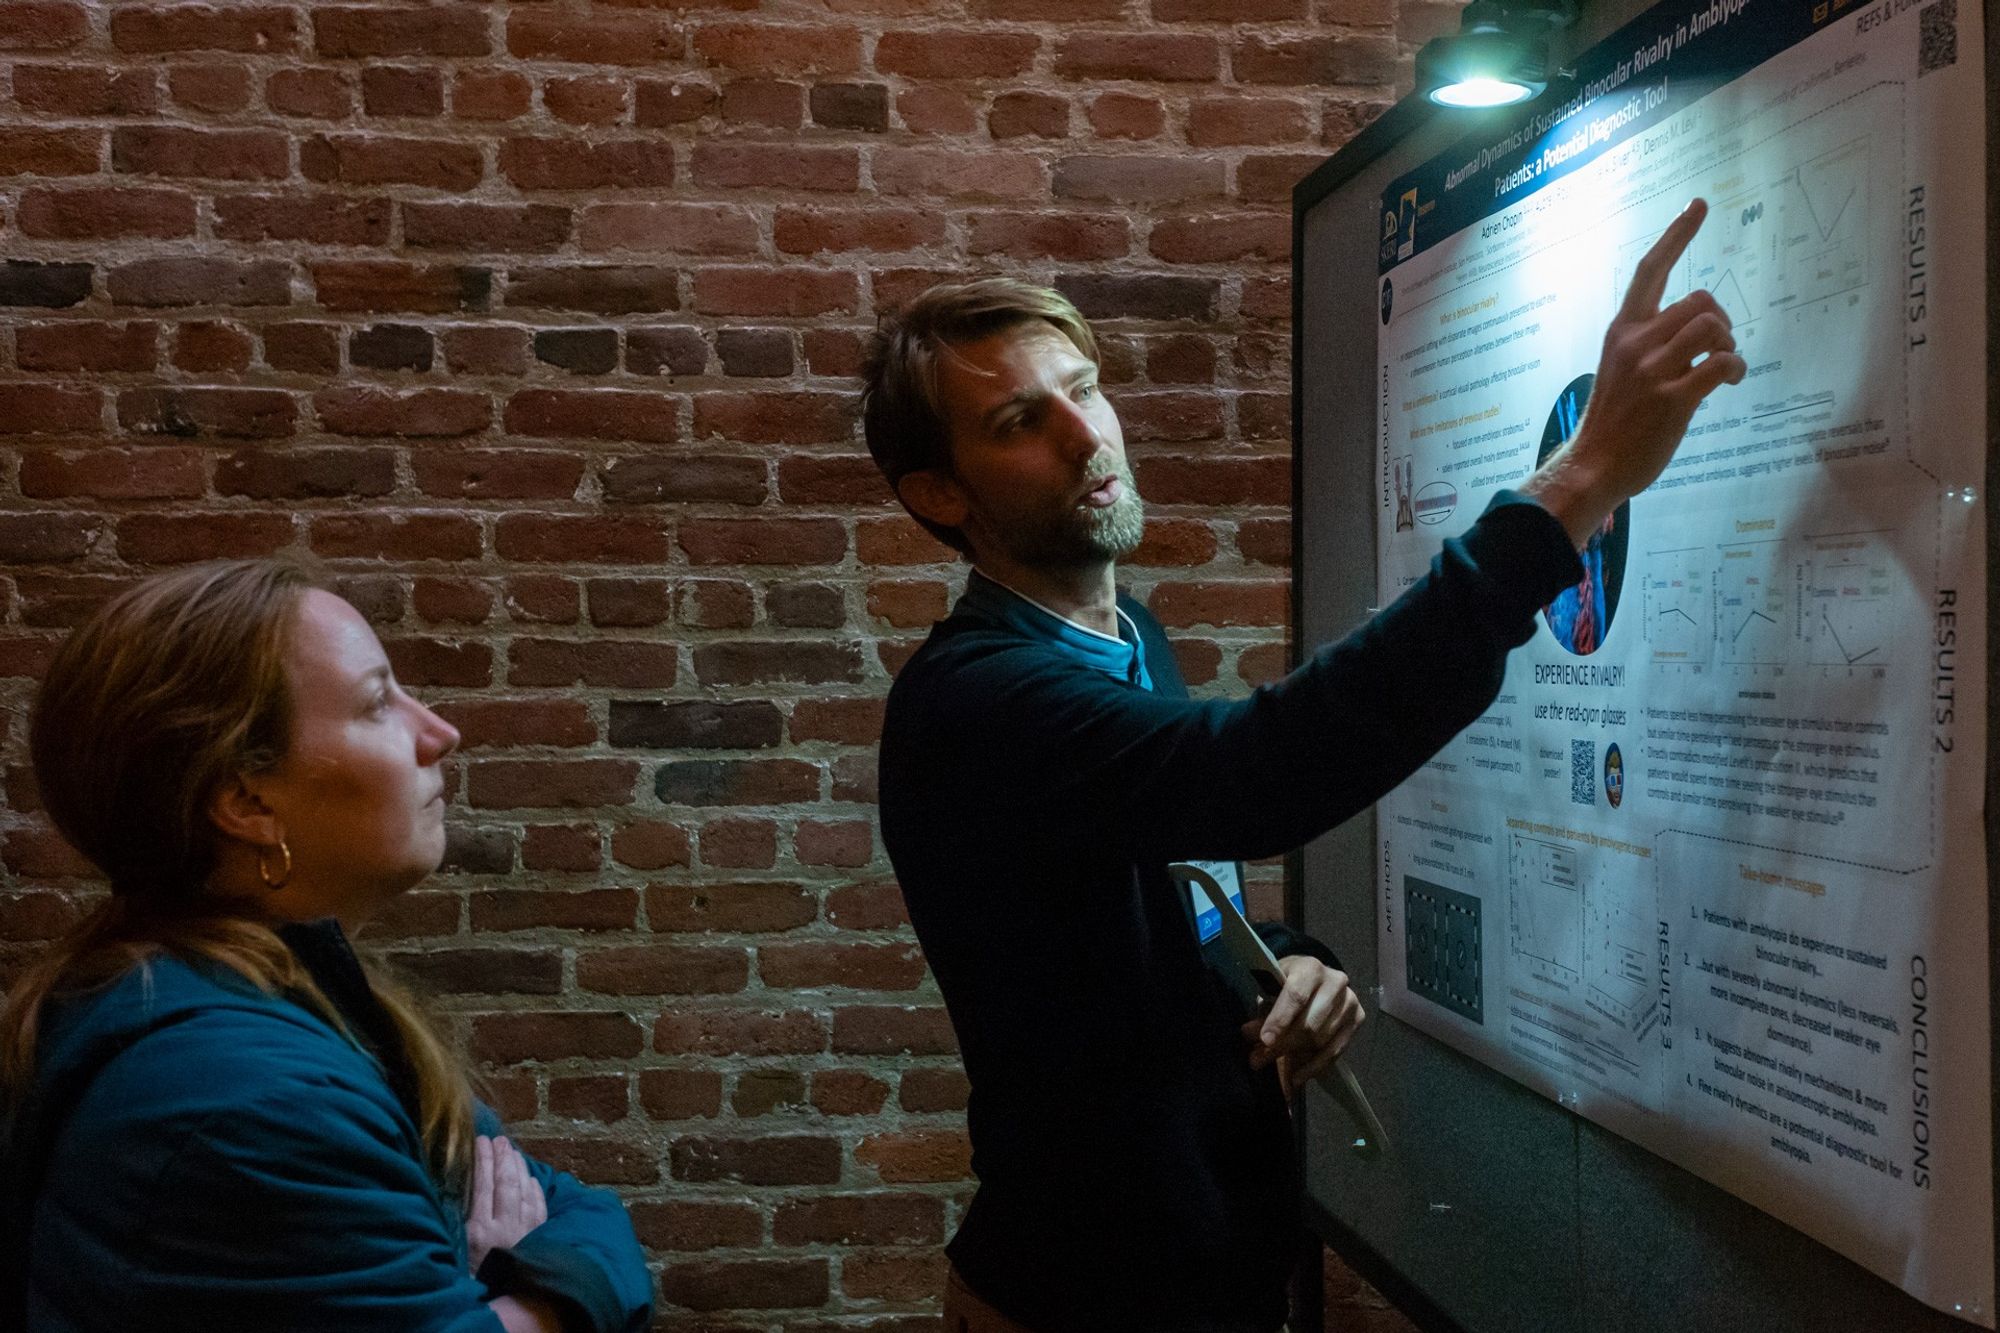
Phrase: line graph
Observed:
(1678, 607)
(1754, 604)
(1852, 594)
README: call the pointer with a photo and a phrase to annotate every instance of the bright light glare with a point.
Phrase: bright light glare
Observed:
(1481, 92)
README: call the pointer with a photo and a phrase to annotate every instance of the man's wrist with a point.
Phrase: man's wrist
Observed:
(1573, 492)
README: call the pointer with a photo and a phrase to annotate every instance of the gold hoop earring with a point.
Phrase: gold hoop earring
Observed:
(278, 881)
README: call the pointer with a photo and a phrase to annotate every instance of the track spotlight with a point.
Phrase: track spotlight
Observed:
(1499, 57)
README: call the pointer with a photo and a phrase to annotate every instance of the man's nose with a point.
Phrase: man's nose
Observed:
(1078, 432)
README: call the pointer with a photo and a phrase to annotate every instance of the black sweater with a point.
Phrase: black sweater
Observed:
(1134, 1172)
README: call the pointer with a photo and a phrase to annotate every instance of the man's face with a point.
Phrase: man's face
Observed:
(1038, 461)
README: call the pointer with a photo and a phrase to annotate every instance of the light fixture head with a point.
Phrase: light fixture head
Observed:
(1499, 58)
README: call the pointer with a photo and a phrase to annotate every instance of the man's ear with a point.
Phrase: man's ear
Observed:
(239, 813)
(935, 496)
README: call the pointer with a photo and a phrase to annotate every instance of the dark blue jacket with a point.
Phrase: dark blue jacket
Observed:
(198, 1155)
(1135, 1174)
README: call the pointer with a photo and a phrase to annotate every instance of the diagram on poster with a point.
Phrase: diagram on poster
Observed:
(1711, 870)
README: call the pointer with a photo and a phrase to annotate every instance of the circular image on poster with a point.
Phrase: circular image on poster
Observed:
(1580, 617)
(1388, 299)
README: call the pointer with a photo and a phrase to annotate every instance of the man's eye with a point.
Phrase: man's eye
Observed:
(1087, 389)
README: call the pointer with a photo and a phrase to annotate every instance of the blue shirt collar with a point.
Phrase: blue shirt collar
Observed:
(1122, 657)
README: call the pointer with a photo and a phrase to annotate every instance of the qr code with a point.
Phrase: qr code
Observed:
(1583, 772)
(1937, 36)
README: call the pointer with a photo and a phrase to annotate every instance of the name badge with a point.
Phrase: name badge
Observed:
(1207, 916)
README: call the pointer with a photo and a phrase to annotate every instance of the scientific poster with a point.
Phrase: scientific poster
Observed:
(1712, 871)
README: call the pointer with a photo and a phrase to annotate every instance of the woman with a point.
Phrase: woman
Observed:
(218, 1117)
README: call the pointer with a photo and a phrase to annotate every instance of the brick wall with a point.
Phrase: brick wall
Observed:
(537, 323)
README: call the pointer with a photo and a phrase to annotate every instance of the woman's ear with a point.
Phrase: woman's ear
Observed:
(239, 813)
(935, 496)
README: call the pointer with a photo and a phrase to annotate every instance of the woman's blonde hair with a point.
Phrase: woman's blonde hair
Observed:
(169, 691)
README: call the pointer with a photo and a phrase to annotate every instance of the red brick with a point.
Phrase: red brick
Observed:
(846, 1092)
(217, 89)
(1150, 57)
(784, 51)
(579, 164)
(908, 603)
(87, 345)
(1141, 180)
(677, 1094)
(35, 539)
(392, 90)
(658, 103)
(1262, 663)
(498, 474)
(799, 541)
(859, 1219)
(803, 231)
(79, 90)
(503, 723)
(787, 1159)
(747, 907)
(542, 599)
(956, 55)
(491, 94)
(597, 1161)
(571, 847)
(310, 94)
(843, 721)
(899, 541)
(818, 966)
(510, 228)
(211, 345)
(917, 1155)
(1042, 115)
(550, 783)
(191, 412)
(1182, 605)
(1215, 481)
(1072, 236)
(775, 291)
(757, 166)
(323, 219)
(1245, 120)
(40, 25)
(653, 480)
(1127, 116)
(49, 152)
(412, 413)
(892, 1030)
(103, 212)
(1174, 542)
(250, 29)
(934, 110)
(560, 538)
(688, 1224)
(513, 1037)
(1228, 11)
(594, 38)
(380, 159)
(384, 285)
(559, 909)
(586, 101)
(803, 417)
(739, 844)
(424, 30)
(738, 1032)
(1315, 62)
(953, 174)
(746, 1284)
(307, 473)
(775, 104)
(165, 150)
(700, 229)
(613, 664)
(485, 349)
(603, 1098)
(660, 969)
(421, 662)
(597, 414)
(113, 474)
(304, 347)
(650, 846)
(172, 539)
(842, 479)
(603, 288)
(901, 1276)
(1269, 178)
(926, 1090)
(1168, 414)
(396, 536)
(1180, 359)
(181, 281)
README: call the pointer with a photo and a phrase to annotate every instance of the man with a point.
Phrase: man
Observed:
(1041, 766)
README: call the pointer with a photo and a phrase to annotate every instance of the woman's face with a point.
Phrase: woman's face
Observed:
(360, 795)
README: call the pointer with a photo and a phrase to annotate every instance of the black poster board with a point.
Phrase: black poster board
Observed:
(1499, 1209)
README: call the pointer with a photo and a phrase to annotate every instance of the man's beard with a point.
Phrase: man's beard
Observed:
(1079, 535)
